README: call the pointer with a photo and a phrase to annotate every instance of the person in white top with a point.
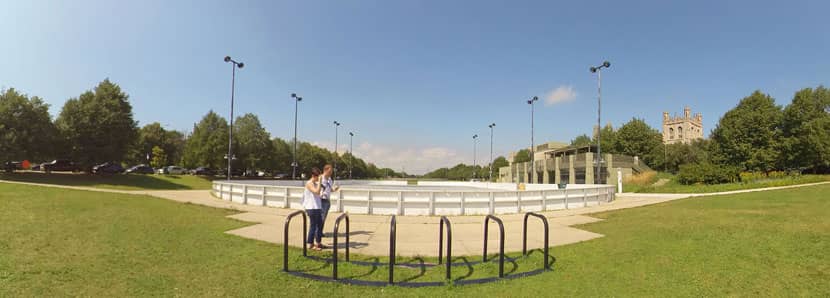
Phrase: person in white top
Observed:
(312, 206)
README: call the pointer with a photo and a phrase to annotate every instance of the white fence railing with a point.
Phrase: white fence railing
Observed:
(416, 202)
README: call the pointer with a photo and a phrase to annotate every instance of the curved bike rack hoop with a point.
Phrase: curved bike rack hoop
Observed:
(392, 243)
(445, 221)
(501, 242)
(285, 237)
(334, 254)
(545, 265)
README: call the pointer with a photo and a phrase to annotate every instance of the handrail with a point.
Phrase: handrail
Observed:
(392, 245)
(336, 229)
(445, 221)
(545, 265)
(285, 237)
(501, 241)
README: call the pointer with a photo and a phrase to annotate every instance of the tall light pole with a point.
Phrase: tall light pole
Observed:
(475, 138)
(334, 171)
(598, 71)
(234, 66)
(351, 154)
(532, 144)
(294, 164)
(491, 151)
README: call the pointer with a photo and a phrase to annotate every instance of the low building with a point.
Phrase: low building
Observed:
(556, 163)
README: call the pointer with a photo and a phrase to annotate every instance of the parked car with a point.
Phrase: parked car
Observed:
(11, 166)
(59, 165)
(282, 176)
(203, 171)
(172, 170)
(140, 169)
(35, 167)
(108, 168)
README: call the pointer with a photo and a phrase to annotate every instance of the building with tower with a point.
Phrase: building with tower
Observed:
(682, 129)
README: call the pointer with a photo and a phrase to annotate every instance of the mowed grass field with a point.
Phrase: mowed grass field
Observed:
(118, 181)
(57, 242)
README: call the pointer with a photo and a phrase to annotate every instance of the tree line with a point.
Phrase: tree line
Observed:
(98, 126)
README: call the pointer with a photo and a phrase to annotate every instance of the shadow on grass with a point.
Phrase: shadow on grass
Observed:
(115, 181)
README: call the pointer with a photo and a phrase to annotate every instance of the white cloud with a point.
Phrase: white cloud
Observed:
(559, 95)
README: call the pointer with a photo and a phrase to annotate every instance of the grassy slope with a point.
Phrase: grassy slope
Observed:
(59, 242)
(121, 182)
(674, 187)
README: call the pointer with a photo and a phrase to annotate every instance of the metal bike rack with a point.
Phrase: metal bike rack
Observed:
(501, 242)
(392, 244)
(545, 265)
(285, 237)
(334, 255)
(445, 221)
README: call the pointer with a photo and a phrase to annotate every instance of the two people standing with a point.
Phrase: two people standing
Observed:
(316, 202)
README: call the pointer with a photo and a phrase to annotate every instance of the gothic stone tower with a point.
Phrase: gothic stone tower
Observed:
(682, 129)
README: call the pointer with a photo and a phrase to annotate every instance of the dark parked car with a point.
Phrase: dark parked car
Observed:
(141, 169)
(203, 171)
(11, 166)
(59, 165)
(108, 168)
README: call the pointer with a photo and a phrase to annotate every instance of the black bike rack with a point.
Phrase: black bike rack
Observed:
(392, 243)
(545, 265)
(501, 242)
(285, 238)
(392, 260)
(334, 255)
(445, 221)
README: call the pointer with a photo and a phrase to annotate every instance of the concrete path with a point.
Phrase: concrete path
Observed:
(417, 235)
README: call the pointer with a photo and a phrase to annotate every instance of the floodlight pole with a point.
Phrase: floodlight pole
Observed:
(475, 138)
(297, 100)
(334, 171)
(351, 154)
(598, 71)
(532, 145)
(234, 66)
(492, 163)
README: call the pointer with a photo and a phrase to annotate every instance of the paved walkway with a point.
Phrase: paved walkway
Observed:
(417, 235)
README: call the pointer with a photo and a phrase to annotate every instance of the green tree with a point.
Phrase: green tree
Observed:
(98, 126)
(581, 140)
(159, 158)
(636, 138)
(608, 138)
(154, 135)
(746, 135)
(281, 156)
(253, 143)
(208, 144)
(26, 129)
(522, 156)
(801, 145)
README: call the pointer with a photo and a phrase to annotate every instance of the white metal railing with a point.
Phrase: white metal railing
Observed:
(423, 202)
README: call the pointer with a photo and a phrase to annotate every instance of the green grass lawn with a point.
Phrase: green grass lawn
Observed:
(120, 181)
(672, 186)
(63, 242)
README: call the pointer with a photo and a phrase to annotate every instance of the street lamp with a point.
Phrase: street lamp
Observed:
(334, 171)
(351, 154)
(297, 100)
(532, 145)
(475, 138)
(491, 151)
(598, 71)
(234, 66)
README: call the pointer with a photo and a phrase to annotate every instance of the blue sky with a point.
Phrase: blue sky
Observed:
(416, 79)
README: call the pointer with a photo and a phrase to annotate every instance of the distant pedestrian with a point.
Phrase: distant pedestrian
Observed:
(312, 206)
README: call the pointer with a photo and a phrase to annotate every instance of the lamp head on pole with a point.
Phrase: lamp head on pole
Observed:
(605, 64)
(475, 136)
(294, 96)
(532, 99)
(336, 123)
(491, 125)
(227, 58)
(351, 134)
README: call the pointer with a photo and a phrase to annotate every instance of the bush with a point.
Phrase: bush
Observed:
(707, 173)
